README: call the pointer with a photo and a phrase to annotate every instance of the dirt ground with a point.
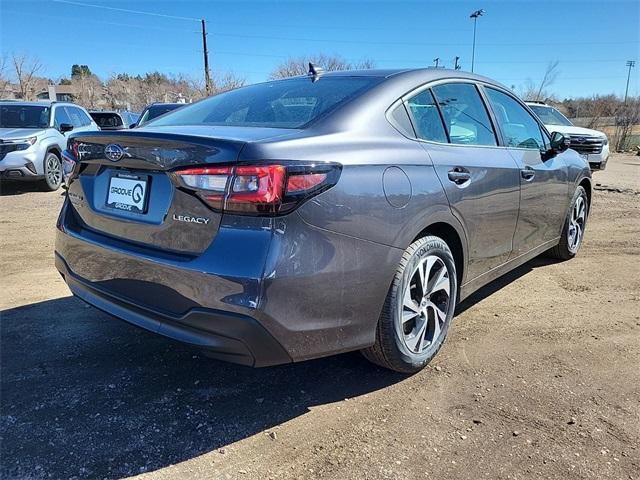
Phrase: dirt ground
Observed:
(540, 378)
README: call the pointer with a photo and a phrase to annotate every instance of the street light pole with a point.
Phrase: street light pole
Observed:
(630, 64)
(475, 15)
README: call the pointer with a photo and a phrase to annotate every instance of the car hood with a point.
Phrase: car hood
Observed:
(573, 130)
(15, 133)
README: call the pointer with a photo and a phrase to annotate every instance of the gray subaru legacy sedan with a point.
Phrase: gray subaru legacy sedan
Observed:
(320, 214)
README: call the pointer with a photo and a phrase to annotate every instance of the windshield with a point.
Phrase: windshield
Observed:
(550, 116)
(289, 103)
(154, 111)
(24, 116)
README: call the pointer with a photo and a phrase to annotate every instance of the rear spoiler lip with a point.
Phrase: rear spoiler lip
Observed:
(153, 151)
(135, 136)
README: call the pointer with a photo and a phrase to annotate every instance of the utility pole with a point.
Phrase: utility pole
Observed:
(457, 64)
(207, 76)
(475, 15)
(630, 64)
(436, 61)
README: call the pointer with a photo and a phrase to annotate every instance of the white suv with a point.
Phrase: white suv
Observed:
(33, 137)
(592, 145)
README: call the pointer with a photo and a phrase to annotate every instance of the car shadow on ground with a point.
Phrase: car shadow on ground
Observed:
(503, 281)
(15, 187)
(84, 395)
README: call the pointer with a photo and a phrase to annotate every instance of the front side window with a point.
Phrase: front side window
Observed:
(465, 115)
(78, 117)
(290, 103)
(24, 116)
(61, 117)
(519, 128)
(426, 118)
(74, 115)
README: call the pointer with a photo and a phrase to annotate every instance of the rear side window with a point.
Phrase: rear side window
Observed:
(426, 118)
(465, 115)
(519, 128)
(289, 103)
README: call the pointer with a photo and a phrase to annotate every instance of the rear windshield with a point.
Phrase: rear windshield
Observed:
(107, 120)
(154, 111)
(289, 103)
(24, 116)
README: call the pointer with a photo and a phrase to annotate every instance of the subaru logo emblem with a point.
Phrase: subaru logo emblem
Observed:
(113, 152)
(581, 139)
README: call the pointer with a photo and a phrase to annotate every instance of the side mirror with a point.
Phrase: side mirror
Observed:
(559, 144)
(133, 125)
(65, 127)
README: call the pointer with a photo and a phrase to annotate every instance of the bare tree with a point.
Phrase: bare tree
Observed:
(26, 69)
(300, 65)
(5, 80)
(540, 91)
(627, 116)
(89, 89)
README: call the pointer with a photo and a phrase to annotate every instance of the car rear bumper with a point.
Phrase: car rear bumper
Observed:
(266, 291)
(228, 336)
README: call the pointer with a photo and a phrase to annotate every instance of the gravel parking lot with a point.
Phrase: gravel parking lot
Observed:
(540, 378)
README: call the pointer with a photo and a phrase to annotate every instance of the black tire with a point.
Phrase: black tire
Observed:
(566, 250)
(52, 172)
(390, 349)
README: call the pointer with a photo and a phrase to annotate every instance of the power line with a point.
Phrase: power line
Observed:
(126, 10)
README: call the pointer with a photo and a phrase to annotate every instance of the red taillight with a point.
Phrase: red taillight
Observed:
(302, 182)
(263, 189)
(256, 189)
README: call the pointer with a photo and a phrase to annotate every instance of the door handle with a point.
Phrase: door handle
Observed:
(459, 175)
(528, 173)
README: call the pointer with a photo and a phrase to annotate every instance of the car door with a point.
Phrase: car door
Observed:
(543, 181)
(480, 179)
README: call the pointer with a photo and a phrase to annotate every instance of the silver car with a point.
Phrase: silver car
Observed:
(33, 136)
(315, 215)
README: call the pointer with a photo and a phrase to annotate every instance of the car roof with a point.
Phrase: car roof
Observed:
(42, 103)
(162, 104)
(534, 102)
(24, 103)
(405, 75)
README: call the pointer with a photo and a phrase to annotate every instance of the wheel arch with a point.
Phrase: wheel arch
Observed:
(455, 239)
(585, 183)
(54, 149)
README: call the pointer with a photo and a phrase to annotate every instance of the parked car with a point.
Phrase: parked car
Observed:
(593, 145)
(308, 216)
(113, 120)
(33, 136)
(154, 111)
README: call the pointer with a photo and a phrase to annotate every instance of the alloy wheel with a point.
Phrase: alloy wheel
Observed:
(425, 305)
(576, 224)
(53, 171)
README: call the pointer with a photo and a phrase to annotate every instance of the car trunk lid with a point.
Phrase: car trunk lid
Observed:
(124, 189)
